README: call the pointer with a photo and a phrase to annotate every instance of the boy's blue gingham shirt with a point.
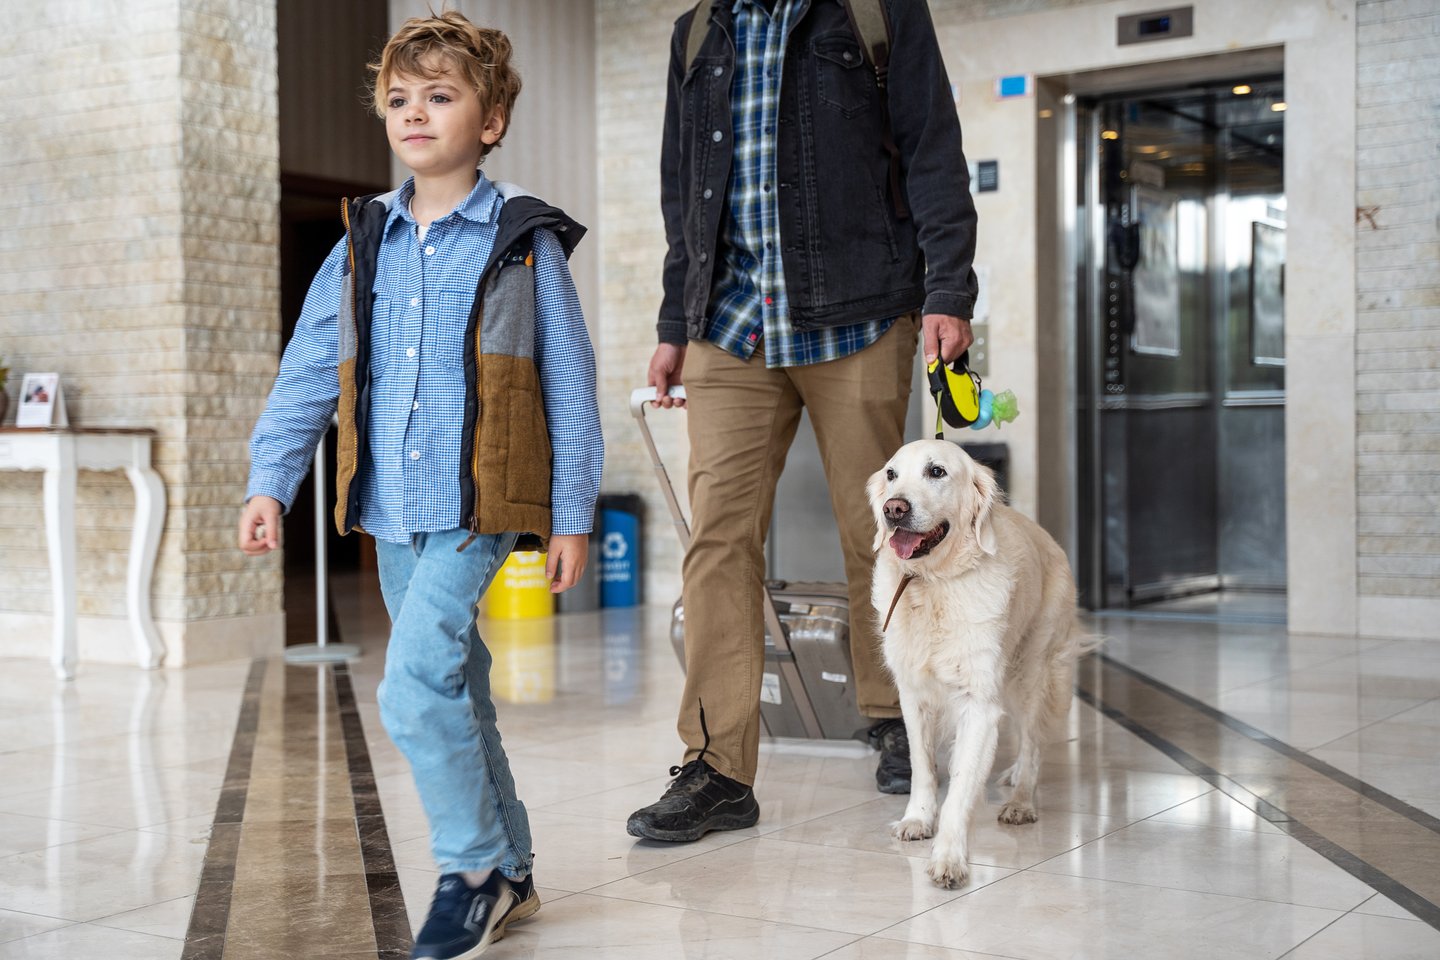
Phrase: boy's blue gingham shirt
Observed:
(749, 300)
(423, 293)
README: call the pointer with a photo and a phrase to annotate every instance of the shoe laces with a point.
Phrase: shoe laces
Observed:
(450, 894)
(691, 776)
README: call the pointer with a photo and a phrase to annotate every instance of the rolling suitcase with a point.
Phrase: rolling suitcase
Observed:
(808, 687)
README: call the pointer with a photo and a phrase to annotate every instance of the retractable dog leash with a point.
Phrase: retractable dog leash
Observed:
(961, 400)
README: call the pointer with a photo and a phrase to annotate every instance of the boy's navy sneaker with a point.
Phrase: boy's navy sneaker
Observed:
(465, 920)
(698, 800)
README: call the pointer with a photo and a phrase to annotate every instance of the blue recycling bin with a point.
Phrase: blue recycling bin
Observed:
(621, 527)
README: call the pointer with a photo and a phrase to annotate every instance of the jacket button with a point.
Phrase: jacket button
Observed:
(704, 258)
(719, 71)
(708, 193)
(717, 136)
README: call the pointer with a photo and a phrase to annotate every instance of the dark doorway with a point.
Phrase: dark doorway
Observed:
(331, 147)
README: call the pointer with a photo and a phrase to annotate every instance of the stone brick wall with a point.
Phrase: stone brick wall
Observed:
(1398, 285)
(140, 264)
(633, 56)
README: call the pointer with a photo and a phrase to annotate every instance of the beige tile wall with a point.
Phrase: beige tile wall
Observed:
(140, 263)
(1398, 315)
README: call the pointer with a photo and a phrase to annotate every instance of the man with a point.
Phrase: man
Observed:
(818, 216)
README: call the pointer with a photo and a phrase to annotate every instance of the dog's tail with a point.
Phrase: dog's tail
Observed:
(1083, 642)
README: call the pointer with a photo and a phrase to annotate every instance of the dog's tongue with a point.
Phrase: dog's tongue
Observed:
(904, 543)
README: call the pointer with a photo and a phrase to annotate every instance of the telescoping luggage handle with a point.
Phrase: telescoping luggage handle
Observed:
(643, 397)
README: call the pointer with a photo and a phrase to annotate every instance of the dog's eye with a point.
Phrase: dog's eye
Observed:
(889, 474)
(936, 471)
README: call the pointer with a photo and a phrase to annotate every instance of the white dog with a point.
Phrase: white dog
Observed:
(979, 613)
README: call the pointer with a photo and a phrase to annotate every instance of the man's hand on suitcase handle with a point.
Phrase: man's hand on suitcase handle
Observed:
(665, 371)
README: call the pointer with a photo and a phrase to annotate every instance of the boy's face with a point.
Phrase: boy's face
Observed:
(435, 126)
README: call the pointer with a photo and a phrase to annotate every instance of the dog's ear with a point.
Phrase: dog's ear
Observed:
(875, 493)
(987, 492)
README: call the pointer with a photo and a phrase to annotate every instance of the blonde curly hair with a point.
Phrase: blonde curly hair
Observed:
(423, 46)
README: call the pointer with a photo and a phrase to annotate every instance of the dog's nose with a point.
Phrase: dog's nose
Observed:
(895, 509)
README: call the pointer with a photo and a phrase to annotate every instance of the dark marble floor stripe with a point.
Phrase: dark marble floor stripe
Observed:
(387, 905)
(1411, 813)
(205, 936)
(1093, 677)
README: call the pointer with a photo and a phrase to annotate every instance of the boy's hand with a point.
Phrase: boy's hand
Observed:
(260, 526)
(566, 560)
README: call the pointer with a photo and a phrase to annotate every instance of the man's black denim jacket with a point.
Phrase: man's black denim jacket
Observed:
(848, 255)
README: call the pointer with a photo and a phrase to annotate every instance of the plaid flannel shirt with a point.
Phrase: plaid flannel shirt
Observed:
(748, 300)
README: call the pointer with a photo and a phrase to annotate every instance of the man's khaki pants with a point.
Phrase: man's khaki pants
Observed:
(742, 418)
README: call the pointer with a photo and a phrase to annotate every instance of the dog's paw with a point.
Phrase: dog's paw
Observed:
(949, 871)
(912, 828)
(1014, 812)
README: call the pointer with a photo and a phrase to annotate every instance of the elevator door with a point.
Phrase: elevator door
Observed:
(1181, 341)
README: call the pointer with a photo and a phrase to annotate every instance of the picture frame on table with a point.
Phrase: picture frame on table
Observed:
(42, 402)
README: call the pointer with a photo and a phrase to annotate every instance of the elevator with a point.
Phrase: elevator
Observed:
(1180, 281)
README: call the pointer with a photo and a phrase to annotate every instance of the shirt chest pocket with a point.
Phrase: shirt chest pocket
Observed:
(444, 335)
(384, 339)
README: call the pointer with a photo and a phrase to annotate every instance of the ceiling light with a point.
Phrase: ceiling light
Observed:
(1240, 89)
(1278, 106)
(1109, 135)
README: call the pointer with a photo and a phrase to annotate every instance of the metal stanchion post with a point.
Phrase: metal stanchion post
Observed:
(321, 651)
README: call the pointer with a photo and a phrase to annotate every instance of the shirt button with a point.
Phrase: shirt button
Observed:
(414, 454)
(414, 301)
(415, 405)
(410, 352)
(708, 193)
(717, 136)
(429, 250)
(766, 188)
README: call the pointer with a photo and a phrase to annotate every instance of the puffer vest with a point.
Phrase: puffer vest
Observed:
(505, 454)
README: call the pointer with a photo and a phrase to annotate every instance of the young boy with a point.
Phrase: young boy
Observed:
(446, 332)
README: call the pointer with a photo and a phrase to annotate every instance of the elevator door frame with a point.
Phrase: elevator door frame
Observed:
(1075, 248)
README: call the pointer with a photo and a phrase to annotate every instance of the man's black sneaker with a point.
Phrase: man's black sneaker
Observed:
(698, 800)
(465, 920)
(893, 773)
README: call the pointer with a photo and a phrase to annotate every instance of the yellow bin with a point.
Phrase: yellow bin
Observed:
(520, 590)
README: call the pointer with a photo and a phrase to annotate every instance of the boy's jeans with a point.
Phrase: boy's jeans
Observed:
(435, 700)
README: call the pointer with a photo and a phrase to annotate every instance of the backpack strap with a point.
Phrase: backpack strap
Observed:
(871, 27)
(699, 29)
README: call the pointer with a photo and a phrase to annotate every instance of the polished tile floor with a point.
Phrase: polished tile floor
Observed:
(1226, 790)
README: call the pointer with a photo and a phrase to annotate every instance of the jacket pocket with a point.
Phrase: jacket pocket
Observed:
(843, 82)
(527, 461)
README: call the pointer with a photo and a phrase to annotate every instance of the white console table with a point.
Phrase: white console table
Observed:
(61, 453)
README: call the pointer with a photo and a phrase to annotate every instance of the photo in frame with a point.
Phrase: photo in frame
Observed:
(1267, 293)
(1157, 274)
(41, 402)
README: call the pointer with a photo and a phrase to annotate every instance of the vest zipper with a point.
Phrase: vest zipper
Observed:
(474, 532)
(354, 299)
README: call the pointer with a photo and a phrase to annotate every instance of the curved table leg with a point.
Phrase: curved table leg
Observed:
(60, 532)
(144, 544)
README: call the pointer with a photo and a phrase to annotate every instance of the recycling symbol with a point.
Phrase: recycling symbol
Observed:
(614, 547)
